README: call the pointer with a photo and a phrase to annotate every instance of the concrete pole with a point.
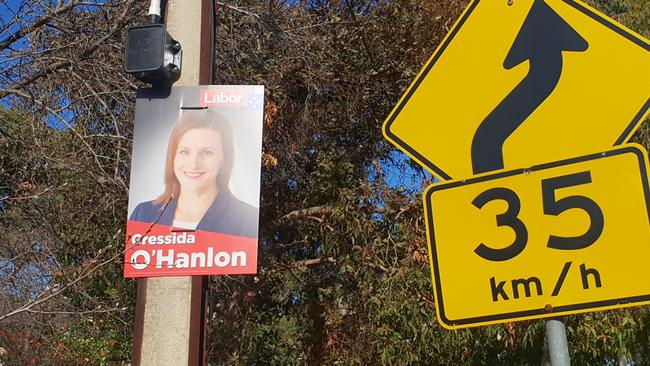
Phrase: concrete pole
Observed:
(558, 347)
(170, 327)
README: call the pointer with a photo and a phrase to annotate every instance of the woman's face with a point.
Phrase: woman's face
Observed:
(199, 159)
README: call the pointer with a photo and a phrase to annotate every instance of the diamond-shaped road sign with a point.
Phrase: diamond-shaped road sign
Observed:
(517, 85)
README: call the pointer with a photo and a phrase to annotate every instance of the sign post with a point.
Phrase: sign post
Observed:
(558, 348)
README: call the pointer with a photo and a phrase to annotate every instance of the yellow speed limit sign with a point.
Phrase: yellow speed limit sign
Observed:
(558, 238)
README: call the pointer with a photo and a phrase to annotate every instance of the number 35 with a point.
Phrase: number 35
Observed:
(551, 207)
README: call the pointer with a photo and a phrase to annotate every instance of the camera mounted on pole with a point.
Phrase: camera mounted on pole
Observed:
(151, 54)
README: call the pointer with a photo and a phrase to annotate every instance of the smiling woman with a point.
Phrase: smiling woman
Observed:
(198, 167)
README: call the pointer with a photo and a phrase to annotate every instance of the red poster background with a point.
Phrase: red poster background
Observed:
(154, 250)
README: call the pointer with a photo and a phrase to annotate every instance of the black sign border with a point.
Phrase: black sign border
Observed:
(514, 316)
(624, 137)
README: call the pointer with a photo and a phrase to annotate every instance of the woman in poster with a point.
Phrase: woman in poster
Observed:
(198, 166)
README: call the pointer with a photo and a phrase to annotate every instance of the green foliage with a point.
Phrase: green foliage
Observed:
(375, 304)
(344, 272)
(95, 339)
(634, 14)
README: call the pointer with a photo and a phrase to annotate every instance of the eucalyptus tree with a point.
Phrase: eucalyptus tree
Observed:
(343, 271)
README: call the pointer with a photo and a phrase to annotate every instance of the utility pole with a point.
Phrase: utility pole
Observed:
(170, 321)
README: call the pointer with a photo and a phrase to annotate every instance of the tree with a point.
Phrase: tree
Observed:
(343, 273)
(65, 153)
(370, 302)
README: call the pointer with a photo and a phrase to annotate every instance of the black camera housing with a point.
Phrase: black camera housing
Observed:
(152, 55)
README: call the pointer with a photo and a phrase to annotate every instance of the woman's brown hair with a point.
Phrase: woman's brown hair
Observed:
(192, 119)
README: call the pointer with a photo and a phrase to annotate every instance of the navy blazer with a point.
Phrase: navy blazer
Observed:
(226, 215)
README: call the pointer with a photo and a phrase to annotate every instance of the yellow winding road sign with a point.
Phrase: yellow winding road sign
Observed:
(517, 85)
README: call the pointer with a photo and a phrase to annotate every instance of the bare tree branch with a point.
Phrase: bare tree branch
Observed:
(23, 31)
(117, 26)
(316, 211)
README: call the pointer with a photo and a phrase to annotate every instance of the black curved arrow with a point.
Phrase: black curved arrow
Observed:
(541, 39)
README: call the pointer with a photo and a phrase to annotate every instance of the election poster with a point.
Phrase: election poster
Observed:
(195, 182)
